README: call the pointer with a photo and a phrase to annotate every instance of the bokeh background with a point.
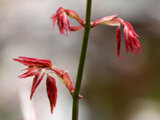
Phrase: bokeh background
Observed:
(113, 88)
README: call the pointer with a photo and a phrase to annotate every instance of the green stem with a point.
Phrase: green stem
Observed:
(81, 61)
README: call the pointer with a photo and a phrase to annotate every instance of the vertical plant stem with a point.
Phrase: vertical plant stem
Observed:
(81, 61)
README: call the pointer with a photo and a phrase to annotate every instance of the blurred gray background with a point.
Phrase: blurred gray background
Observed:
(113, 88)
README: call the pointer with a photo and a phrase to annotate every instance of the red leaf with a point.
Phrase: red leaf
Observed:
(118, 39)
(36, 81)
(51, 91)
(44, 63)
(31, 72)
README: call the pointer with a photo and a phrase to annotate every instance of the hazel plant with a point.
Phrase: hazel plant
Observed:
(38, 67)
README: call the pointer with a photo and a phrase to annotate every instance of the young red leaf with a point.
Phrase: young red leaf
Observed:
(51, 91)
(36, 81)
(118, 39)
